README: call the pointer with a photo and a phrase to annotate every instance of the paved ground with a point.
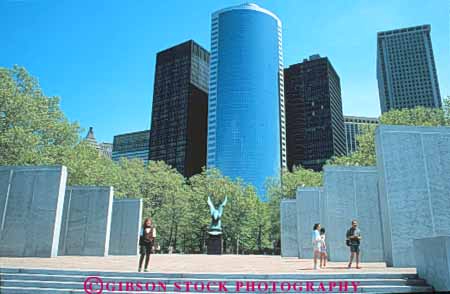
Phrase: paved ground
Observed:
(175, 263)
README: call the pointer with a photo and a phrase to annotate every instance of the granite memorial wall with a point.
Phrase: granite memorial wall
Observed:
(405, 197)
(288, 212)
(86, 221)
(432, 257)
(309, 205)
(125, 226)
(414, 180)
(352, 193)
(31, 203)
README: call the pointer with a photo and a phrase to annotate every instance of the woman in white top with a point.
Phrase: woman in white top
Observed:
(316, 243)
(323, 249)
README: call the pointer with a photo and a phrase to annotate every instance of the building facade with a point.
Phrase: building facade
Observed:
(180, 108)
(104, 148)
(246, 123)
(134, 145)
(314, 119)
(406, 70)
(354, 126)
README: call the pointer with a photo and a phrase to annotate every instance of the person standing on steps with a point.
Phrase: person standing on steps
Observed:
(323, 249)
(316, 244)
(353, 241)
(146, 241)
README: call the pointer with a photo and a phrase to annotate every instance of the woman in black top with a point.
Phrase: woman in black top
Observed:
(146, 241)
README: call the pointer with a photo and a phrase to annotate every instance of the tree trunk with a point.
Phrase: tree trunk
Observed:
(170, 236)
(258, 239)
(175, 237)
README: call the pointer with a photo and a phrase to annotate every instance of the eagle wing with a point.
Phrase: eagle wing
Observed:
(211, 205)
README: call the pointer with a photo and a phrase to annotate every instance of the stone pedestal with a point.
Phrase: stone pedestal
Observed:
(214, 244)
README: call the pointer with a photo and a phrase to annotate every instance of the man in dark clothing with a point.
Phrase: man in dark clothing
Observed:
(353, 240)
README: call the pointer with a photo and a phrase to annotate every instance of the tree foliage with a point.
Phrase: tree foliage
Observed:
(32, 126)
(242, 220)
(419, 116)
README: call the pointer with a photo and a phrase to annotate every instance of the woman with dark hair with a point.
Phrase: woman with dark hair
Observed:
(146, 241)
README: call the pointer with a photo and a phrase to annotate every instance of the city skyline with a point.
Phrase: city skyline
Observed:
(83, 64)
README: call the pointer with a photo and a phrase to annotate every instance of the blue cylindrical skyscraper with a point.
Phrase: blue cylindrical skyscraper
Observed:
(246, 120)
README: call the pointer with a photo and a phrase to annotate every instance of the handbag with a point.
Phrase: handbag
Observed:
(348, 242)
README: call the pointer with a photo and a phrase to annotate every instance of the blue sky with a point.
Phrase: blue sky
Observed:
(99, 56)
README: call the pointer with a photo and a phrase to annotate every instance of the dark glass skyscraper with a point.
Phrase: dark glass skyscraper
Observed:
(246, 134)
(180, 107)
(314, 119)
(406, 70)
(131, 146)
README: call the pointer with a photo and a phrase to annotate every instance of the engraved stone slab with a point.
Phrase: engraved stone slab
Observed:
(352, 193)
(432, 257)
(125, 226)
(288, 212)
(86, 221)
(31, 204)
(310, 210)
(414, 167)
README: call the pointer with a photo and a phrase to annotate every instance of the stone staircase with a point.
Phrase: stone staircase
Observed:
(40, 281)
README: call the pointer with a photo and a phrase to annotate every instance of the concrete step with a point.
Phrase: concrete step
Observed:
(26, 281)
(7, 279)
(365, 289)
(221, 276)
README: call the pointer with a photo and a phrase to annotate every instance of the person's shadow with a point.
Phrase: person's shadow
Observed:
(323, 269)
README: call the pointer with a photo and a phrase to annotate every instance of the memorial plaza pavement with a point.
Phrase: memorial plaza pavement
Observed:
(193, 263)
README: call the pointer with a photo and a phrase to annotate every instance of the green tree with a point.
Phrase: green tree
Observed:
(32, 125)
(34, 131)
(419, 116)
(87, 167)
(364, 155)
(164, 194)
(131, 180)
(238, 218)
(258, 237)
